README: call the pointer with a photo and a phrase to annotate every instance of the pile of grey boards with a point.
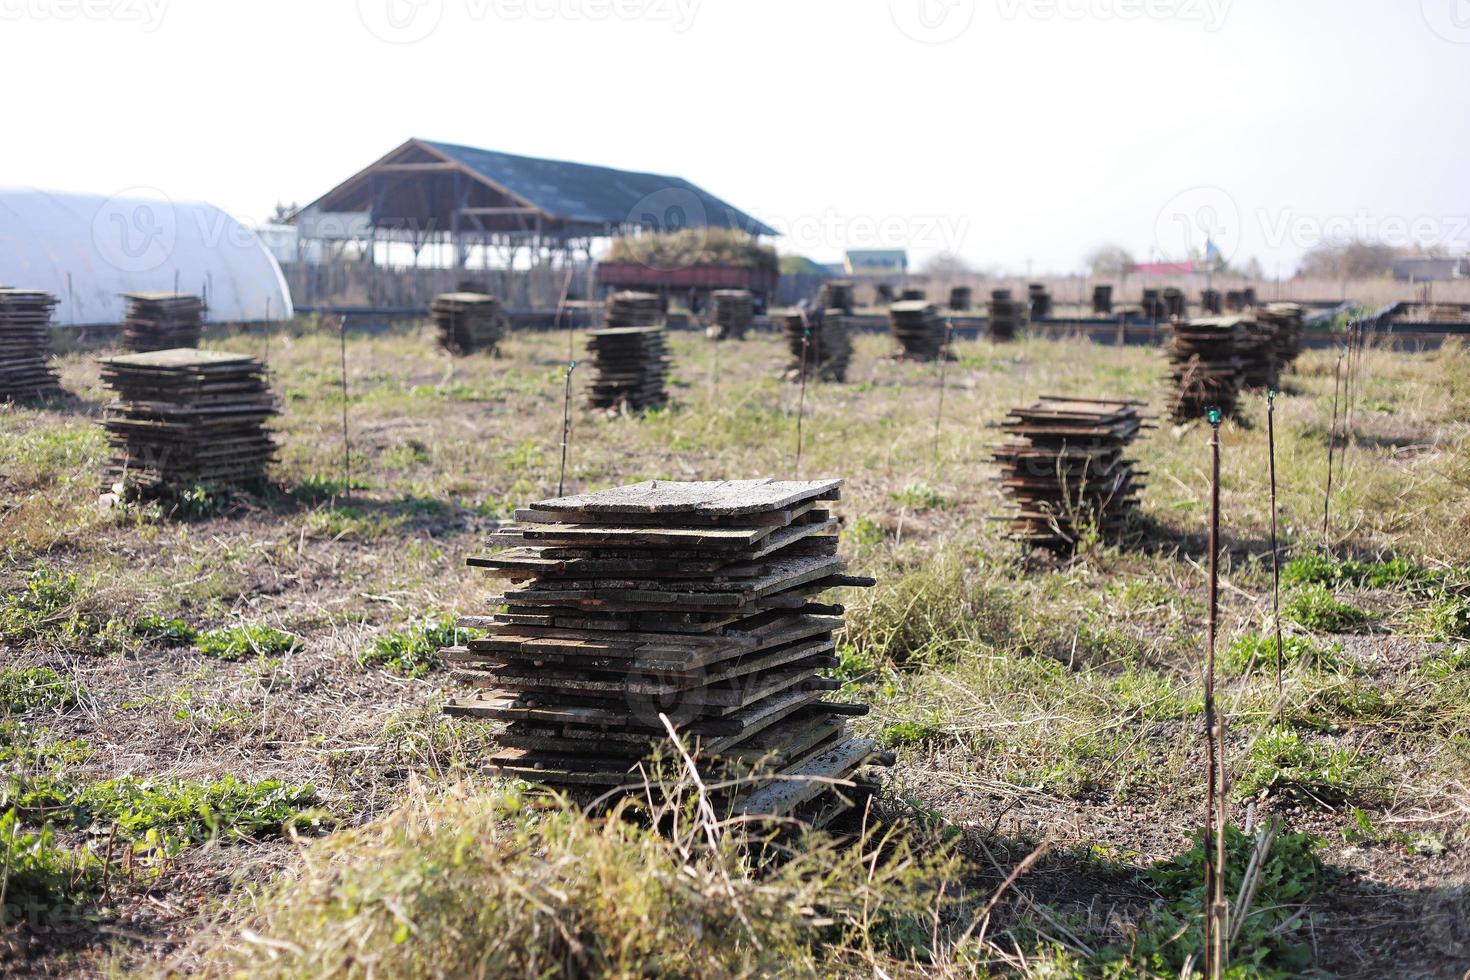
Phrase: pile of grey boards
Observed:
(161, 321)
(1006, 315)
(733, 312)
(468, 322)
(25, 350)
(695, 603)
(1287, 319)
(1205, 365)
(184, 418)
(838, 294)
(818, 345)
(960, 298)
(629, 308)
(1102, 300)
(1064, 470)
(628, 365)
(917, 327)
(1040, 299)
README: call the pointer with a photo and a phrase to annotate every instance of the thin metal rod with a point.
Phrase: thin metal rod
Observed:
(1275, 549)
(806, 337)
(566, 428)
(939, 409)
(1213, 842)
(1331, 448)
(346, 441)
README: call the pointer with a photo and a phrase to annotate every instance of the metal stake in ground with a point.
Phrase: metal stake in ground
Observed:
(566, 428)
(939, 409)
(1331, 447)
(1213, 843)
(806, 337)
(346, 444)
(1275, 551)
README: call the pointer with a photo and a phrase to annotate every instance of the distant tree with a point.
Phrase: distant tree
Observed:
(947, 265)
(1110, 262)
(283, 211)
(1348, 260)
(1252, 268)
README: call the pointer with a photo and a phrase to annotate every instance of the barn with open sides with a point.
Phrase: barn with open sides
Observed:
(90, 251)
(460, 198)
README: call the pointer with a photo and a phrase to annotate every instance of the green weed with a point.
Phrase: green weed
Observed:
(863, 533)
(24, 689)
(238, 642)
(901, 733)
(1313, 607)
(187, 811)
(414, 650)
(1281, 762)
(920, 497)
(38, 877)
(1295, 651)
(1316, 568)
(165, 632)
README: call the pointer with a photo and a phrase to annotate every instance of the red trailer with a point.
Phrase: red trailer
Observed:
(694, 282)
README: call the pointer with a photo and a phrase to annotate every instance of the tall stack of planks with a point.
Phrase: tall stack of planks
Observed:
(468, 322)
(162, 321)
(184, 418)
(917, 327)
(734, 311)
(691, 605)
(1064, 469)
(25, 350)
(817, 344)
(1206, 366)
(1006, 315)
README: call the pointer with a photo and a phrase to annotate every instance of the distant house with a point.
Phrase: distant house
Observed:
(1430, 270)
(876, 262)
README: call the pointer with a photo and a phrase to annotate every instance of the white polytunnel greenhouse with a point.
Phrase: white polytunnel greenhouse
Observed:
(88, 250)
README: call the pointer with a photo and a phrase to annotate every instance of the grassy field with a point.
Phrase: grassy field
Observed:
(221, 746)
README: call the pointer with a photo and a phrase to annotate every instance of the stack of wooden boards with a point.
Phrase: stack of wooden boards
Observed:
(819, 343)
(469, 322)
(1287, 318)
(1064, 468)
(629, 308)
(25, 351)
(1174, 302)
(960, 298)
(695, 602)
(837, 294)
(184, 418)
(1102, 300)
(1006, 315)
(1205, 364)
(912, 294)
(917, 327)
(162, 321)
(1211, 302)
(629, 365)
(1152, 306)
(1039, 299)
(734, 311)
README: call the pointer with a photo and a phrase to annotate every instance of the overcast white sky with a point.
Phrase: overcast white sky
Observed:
(1009, 131)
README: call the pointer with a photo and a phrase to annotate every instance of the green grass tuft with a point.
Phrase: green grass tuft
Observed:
(40, 878)
(165, 632)
(1295, 651)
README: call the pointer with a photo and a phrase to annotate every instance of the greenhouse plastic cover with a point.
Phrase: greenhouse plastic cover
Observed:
(88, 250)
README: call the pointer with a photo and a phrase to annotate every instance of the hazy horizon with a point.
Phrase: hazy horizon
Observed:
(1010, 132)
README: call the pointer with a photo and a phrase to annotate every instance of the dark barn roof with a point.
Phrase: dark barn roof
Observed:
(424, 185)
